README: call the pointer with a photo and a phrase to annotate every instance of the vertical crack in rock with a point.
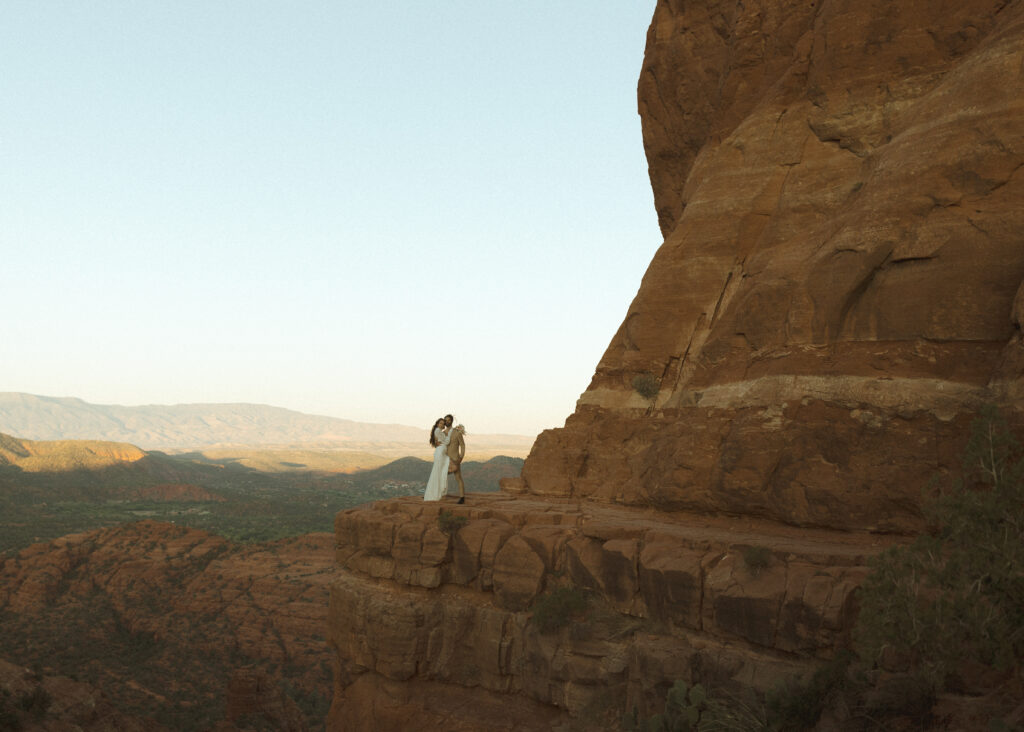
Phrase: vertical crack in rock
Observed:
(721, 295)
(702, 588)
(777, 621)
(858, 291)
(687, 365)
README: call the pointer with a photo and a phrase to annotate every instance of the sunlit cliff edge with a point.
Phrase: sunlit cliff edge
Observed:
(839, 186)
(63, 455)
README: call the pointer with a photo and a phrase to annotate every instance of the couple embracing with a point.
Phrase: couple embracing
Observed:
(449, 448)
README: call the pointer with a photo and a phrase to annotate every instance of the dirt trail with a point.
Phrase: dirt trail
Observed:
(602, 520)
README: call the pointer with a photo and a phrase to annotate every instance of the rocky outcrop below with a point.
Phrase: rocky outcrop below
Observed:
(33, 702)
(176, 624)
(435, 618)
(255, 701)
(841, 192)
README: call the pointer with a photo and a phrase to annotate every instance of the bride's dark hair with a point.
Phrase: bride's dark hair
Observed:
(433, 440)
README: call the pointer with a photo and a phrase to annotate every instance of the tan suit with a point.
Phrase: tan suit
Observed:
(456, 448)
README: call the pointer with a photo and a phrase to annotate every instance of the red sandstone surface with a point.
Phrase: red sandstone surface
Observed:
(419, 614)
(70, 705)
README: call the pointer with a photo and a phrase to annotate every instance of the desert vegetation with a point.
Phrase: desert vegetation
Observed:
(558, 608)
(939, 637)
(756, 559)
(244, 504)
(450, 523)
(951, 605)
(645, 385)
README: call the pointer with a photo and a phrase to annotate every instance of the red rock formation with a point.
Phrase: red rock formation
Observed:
(839, 185)
(437, 627)
(254, 698)
(192, 605)
(32, 702)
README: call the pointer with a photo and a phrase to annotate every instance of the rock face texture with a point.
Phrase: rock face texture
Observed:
(840, 189)
(31, 702)
(177, 624)
(440, 627)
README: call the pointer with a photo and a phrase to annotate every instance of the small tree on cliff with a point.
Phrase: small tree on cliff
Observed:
(646, 385)
(954, 598)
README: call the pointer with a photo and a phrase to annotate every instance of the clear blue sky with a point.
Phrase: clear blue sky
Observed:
(381, 211)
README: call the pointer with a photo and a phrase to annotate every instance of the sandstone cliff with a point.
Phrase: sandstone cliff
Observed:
(840, 189)
(839, 186)
(436, 626)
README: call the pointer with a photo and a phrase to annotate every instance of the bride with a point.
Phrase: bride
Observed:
(437, 484)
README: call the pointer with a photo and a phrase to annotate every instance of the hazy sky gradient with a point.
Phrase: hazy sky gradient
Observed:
(376, 211)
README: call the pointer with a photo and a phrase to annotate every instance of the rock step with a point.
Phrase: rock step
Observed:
(774, 586)
(399, 640)
(751, 601)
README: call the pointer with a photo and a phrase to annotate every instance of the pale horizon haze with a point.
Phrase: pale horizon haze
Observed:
(381, 212)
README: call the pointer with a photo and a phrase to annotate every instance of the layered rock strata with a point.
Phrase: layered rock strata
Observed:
(840, 188)
(438, 627)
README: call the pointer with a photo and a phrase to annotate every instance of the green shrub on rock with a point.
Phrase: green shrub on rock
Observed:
(554, 610)
(450, 523)
(757, 559)
(956, 594)
(645, 385)
(943, 612)
(684, 706)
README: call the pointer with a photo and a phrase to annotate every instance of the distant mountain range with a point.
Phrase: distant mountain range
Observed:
(192, 426)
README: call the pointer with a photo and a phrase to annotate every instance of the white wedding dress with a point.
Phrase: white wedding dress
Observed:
(437, 484)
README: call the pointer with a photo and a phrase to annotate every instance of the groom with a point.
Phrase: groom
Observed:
(456, 451)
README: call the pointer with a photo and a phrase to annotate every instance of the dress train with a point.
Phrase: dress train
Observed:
(437, 483)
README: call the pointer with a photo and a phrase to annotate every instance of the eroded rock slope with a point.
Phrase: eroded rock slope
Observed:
(176, 624)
